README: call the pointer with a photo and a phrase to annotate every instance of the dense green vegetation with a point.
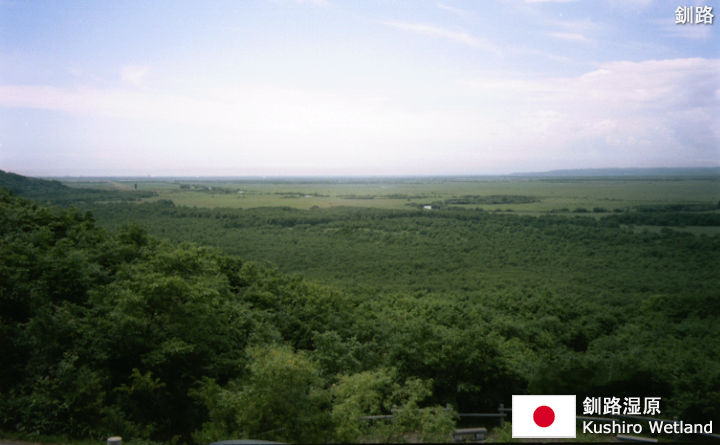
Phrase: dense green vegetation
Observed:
(124, 334)
(454, 251)
(120, 332)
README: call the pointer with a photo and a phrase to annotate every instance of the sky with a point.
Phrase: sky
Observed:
(364, 87)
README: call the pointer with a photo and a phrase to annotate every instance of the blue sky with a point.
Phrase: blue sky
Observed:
(383, 87)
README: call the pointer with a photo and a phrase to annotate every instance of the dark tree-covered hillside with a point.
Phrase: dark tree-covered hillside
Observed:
(56, 193)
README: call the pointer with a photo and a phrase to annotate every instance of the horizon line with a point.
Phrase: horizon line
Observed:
(564, 172)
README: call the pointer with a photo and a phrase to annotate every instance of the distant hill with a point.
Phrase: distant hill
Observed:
(57, 193)
(594, 172)
(24, 186)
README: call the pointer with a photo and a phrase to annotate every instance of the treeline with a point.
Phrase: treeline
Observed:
(678, 219)
(682, 215)
(456, 201)
(491, 199)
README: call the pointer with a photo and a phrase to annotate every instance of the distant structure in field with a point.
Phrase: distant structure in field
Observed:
(427, 207)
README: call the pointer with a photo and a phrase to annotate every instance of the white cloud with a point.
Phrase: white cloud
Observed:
(308, 2)
(637, 111)
(633, 4)
(460, 37)
(687, 31)
(549, 1)
(575, 37)
(134, 75)
(656, 112)
(454, 10)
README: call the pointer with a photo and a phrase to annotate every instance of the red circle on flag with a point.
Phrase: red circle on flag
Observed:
(544, 416)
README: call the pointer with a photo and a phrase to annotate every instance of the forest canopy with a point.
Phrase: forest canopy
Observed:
(116, 331)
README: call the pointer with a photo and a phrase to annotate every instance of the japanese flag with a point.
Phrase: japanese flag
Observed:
(543, 416)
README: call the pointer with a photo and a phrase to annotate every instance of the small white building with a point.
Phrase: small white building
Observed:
(427, 207)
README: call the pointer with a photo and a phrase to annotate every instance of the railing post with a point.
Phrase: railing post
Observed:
(502, 416)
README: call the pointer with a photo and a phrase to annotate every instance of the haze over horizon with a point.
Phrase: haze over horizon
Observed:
(361, 88)
(589, 172)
